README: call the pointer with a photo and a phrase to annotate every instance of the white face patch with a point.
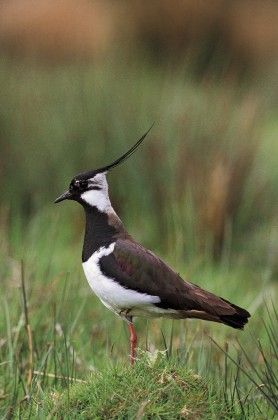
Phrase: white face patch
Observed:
(98, 198)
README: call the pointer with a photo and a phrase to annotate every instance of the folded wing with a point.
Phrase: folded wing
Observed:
(138, 269)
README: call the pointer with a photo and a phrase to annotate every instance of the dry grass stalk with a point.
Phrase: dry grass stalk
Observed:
(28, 328)
(52, 375)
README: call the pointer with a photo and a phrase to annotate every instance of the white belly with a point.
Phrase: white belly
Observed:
(113, 295)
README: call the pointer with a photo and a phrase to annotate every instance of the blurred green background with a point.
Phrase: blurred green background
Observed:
(80, 82)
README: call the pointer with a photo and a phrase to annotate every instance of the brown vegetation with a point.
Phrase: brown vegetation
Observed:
(215, 169)
(65, 29)
(246, 30)
(55, 30)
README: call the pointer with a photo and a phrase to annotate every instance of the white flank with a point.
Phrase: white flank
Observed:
(112, 294)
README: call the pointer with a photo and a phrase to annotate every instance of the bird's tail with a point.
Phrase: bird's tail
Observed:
(236, 320)
(206, 305)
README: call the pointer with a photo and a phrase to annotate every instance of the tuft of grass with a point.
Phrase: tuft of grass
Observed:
(154, 388)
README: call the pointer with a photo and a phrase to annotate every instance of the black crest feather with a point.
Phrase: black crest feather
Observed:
(126, 155)
(121, 159)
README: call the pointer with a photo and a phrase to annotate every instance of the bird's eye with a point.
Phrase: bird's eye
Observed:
(74, 185)
(78, 185)
(83, 185)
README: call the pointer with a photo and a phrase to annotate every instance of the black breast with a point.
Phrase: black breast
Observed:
(98, 231)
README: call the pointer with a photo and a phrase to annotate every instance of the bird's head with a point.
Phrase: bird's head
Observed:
(91, 188)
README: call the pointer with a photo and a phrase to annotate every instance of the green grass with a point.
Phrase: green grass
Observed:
(73, 335)
(151, 389)
(57, 121)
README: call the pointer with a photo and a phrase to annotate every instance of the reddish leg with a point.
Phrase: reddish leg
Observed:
(133, 342)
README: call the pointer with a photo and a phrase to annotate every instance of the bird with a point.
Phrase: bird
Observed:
(129, 279)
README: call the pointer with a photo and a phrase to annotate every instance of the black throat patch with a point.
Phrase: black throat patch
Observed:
(98, 231)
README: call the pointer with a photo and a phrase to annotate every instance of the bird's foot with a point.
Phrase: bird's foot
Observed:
(124, 314)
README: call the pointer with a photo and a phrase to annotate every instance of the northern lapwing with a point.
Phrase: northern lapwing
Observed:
(129, 279)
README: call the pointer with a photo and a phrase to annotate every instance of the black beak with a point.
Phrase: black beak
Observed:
(65, 196)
